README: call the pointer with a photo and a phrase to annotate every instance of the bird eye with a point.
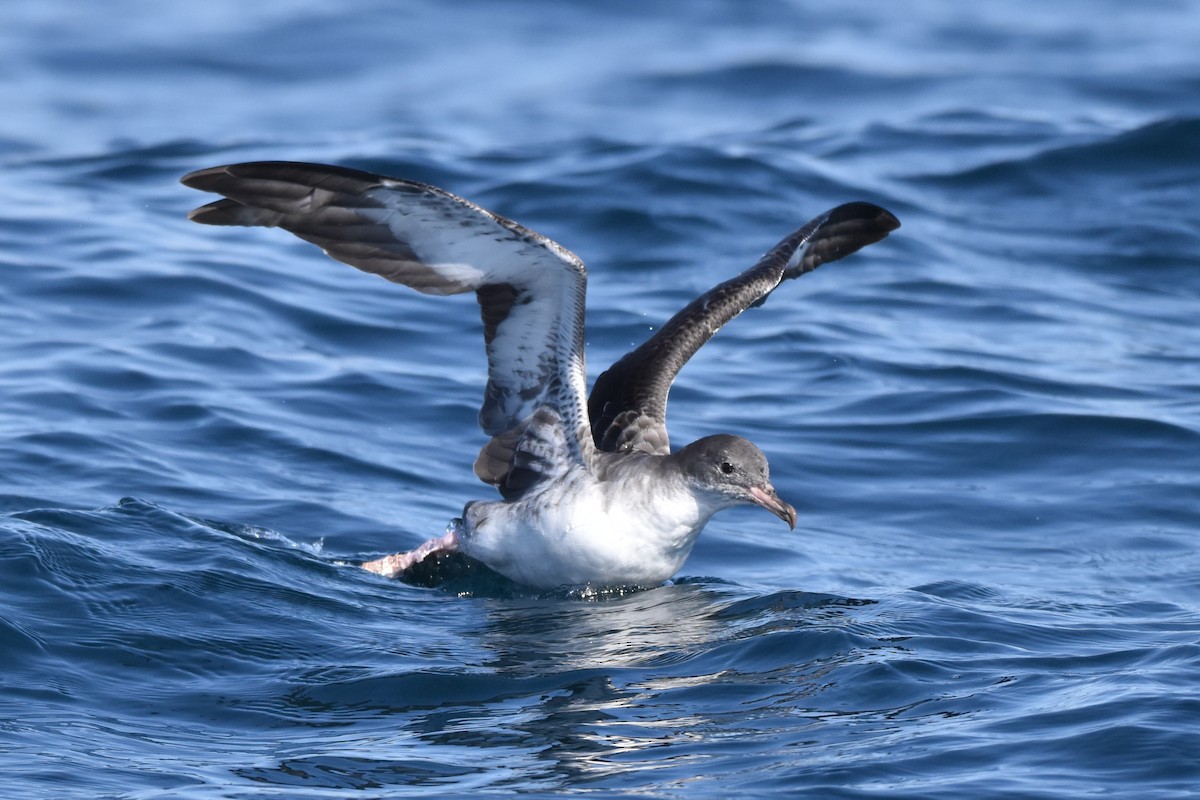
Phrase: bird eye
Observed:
(726, 467)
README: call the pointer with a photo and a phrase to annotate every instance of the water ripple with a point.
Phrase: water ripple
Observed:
(988, 422)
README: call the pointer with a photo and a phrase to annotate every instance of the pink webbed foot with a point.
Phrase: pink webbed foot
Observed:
(397, 564)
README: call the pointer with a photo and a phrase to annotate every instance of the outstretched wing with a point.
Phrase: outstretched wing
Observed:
(530, 290)
(628, 404)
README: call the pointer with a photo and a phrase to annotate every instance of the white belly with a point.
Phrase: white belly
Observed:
(580, 535)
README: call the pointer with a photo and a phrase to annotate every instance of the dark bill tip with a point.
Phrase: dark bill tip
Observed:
(769, 499)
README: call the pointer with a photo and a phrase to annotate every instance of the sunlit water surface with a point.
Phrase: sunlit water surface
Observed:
(989, 422)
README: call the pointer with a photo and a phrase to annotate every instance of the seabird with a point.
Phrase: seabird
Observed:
(591, 492)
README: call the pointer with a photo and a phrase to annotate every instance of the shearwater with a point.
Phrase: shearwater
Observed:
(591, 493)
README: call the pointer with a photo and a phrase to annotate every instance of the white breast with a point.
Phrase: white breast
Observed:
(583, 531)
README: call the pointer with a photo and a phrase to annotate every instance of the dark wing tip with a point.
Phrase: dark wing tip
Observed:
(210, 179)
(201, 178)
(262, 193)
(282, 183)
(841, 231)
(856, 225)
(228, 212)
(888, 219)
(871, 215)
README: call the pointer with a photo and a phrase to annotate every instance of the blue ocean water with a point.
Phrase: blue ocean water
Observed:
(990, 422)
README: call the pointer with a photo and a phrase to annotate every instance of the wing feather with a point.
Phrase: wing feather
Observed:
(530, 289)
(628, 403)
